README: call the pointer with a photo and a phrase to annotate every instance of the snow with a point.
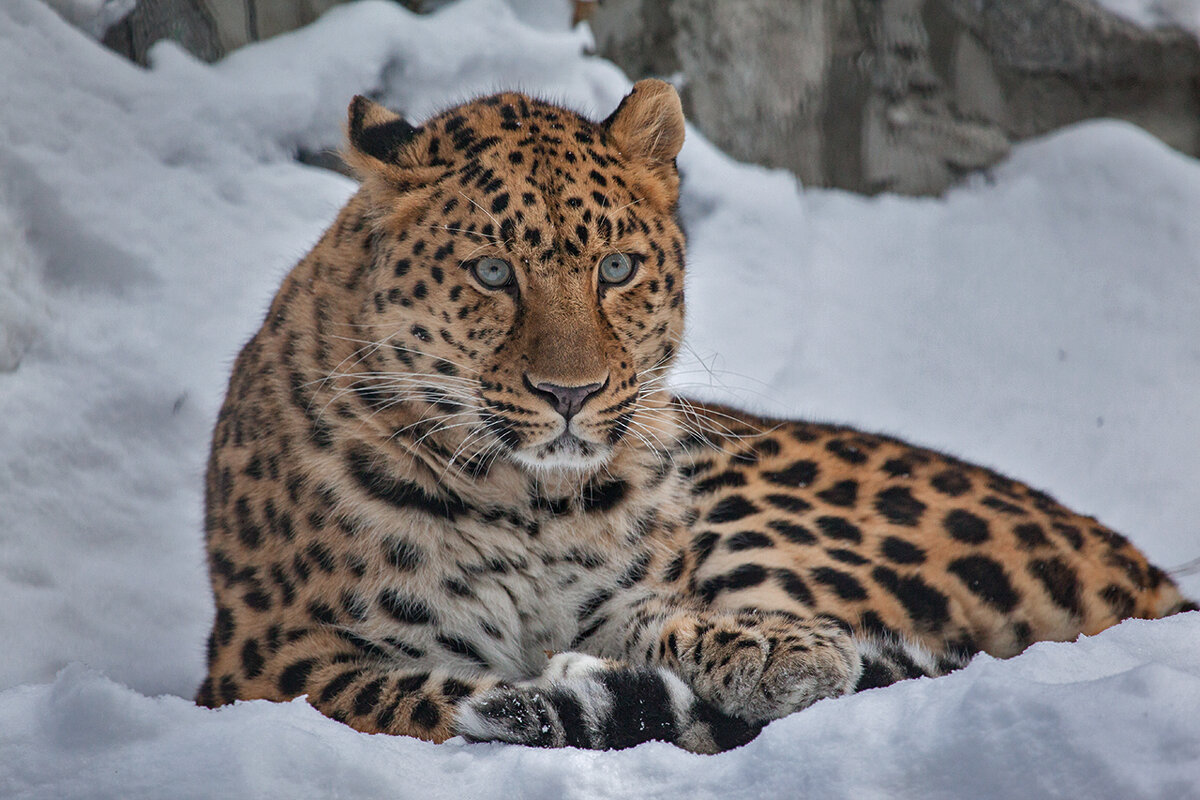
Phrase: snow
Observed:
(1158, 13)
(1041, 321)
(23, 306)
(1041, 725)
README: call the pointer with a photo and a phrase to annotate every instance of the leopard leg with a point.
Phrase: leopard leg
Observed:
(888, 659)
(755, 665)
(349, 679)
(765, 665)
(588, 702)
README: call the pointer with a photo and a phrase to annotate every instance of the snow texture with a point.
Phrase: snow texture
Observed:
(1043, 321)
(1158, 13)
(23, 305)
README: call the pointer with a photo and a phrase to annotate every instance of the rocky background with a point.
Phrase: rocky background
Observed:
(903, 95)
(871, 96)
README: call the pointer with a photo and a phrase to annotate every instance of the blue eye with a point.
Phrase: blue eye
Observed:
(616, 268)
(494, 273)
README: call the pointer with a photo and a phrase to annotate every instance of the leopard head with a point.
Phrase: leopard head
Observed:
(527, 273)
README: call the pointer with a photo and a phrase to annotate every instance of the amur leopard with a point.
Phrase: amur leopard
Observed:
(450, 493)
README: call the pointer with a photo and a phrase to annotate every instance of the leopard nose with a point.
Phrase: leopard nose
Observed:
(566, 400)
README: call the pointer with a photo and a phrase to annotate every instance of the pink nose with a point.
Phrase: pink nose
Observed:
(566, 400)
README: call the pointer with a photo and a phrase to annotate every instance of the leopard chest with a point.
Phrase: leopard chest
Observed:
(486, 593)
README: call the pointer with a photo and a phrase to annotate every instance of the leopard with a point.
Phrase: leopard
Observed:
(451, 493)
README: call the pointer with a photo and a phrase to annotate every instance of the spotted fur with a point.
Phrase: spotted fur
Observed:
(425, 478)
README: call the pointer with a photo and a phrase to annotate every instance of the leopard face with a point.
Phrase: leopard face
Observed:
(527, 295)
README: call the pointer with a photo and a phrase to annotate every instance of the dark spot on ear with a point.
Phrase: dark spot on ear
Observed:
(378, 141)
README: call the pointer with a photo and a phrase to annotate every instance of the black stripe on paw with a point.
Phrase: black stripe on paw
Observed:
(727, 732)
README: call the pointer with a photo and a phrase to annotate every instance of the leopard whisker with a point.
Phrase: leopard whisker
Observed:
(404, 391)
(406, 349)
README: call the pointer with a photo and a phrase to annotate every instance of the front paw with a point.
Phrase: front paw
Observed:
(514, 714)
(762, 667)
(581, 701)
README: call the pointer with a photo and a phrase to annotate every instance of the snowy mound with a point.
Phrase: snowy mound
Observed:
(1109, 717)
(22, 304)
(1043, 322)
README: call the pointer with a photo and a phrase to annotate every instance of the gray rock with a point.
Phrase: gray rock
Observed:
(209, 29)
(902, 95)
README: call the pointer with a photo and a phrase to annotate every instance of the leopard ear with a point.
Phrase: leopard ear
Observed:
(391, 159)
(377, 133)
(648, 124)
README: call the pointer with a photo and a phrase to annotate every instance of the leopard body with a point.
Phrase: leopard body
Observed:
(425, 481)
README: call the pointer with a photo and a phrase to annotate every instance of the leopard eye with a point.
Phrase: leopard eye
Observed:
(494, 273)
(616, 268)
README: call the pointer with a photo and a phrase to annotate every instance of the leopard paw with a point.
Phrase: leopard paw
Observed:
(762, 667)
(514, 714)
(588, 702)
(578, 701)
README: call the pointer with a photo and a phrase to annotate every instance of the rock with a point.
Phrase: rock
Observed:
(209, 29)
(902, 95)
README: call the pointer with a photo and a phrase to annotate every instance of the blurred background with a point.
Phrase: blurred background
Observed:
(868, 95)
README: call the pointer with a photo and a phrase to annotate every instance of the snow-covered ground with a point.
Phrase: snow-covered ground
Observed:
(1045, 321)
